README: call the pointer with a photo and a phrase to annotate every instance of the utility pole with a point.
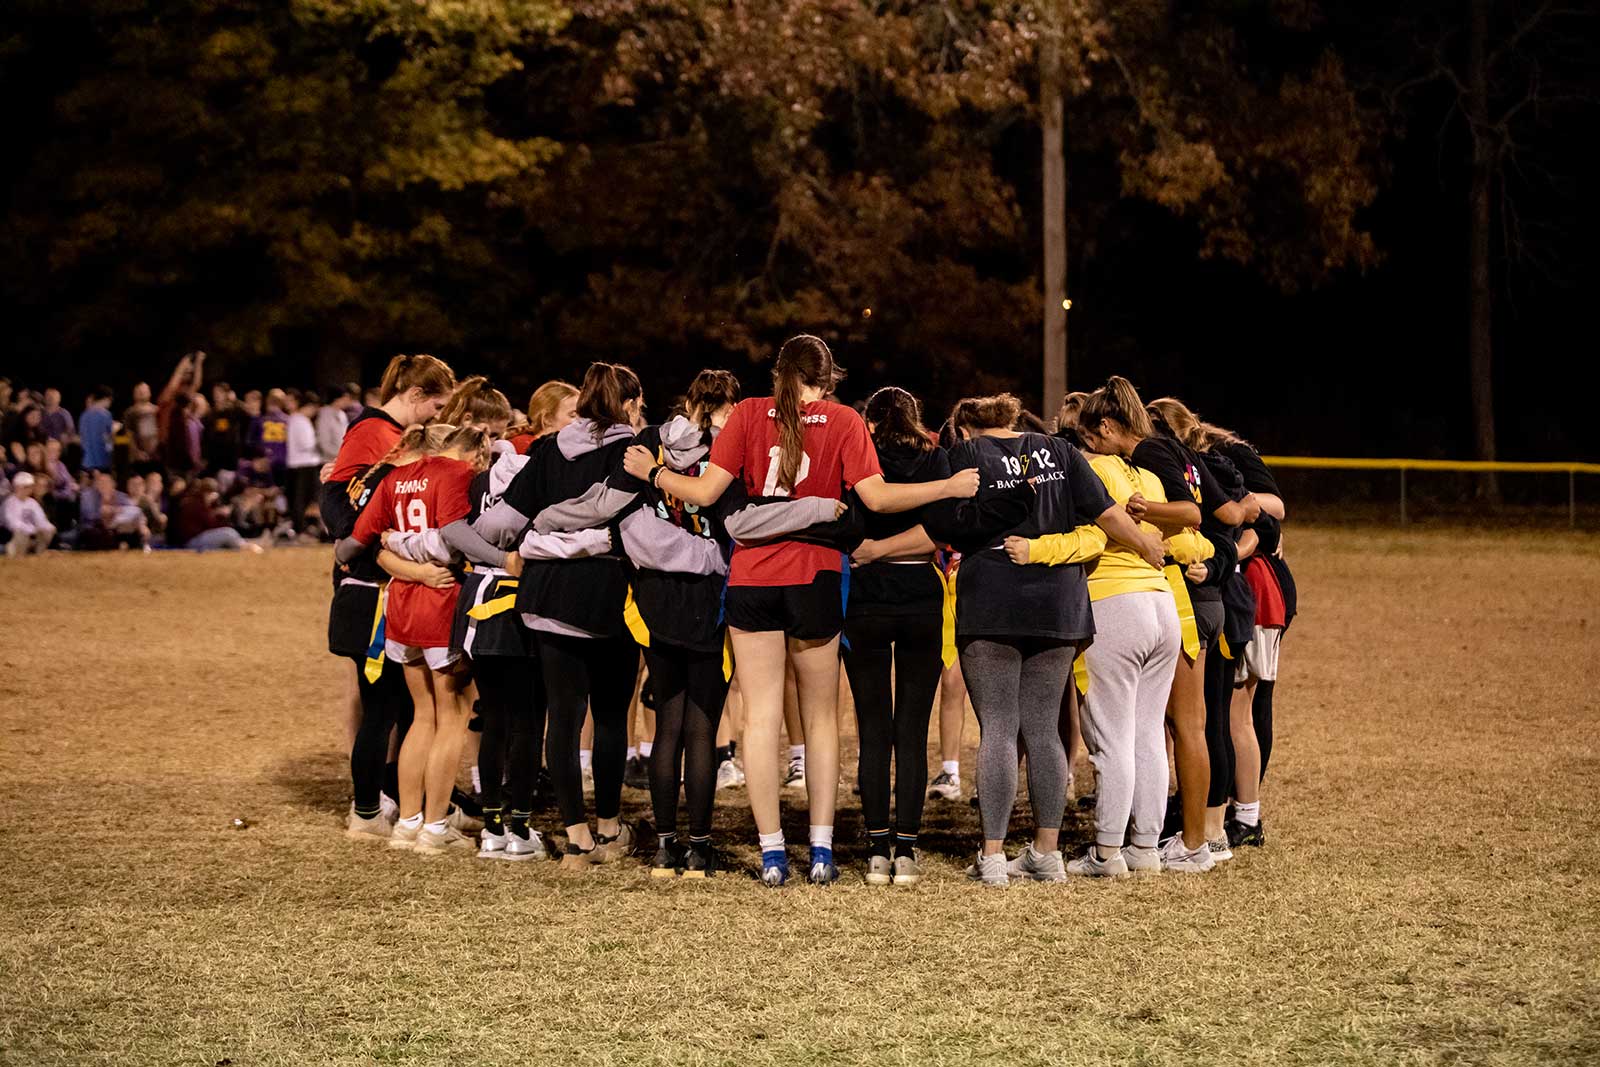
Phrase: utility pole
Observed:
(1053, 125)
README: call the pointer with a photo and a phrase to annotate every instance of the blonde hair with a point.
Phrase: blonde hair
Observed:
(1189, 427)
(546, 400)
(476, 401)
(472, 442)
(1071, 408)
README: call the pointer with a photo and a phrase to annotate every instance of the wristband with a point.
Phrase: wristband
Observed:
(655, 475)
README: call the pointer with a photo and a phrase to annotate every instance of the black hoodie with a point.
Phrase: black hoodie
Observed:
(888, 588)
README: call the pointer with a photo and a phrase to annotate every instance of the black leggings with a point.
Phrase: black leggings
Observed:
(1261, 712)
(593, 674)
(385, 704)
(512, 703)
(1219, 739)
(894, 723)
(689, 690)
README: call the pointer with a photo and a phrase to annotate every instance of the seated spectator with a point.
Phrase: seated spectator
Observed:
(150, 504)
(55, 420)
(107, 518)
(25, 430)
(255, 511)
(94, 427)
(202, 522)
(24, 519)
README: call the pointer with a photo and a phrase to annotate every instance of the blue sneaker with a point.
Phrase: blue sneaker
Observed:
(823, 872)
(775, 867)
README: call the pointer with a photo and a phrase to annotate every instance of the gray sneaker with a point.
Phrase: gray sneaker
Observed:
(907, 871)
(1142, 861)
(1038, 866)
(452, 840)
(491, 846)
(990, 870)
(879, 870)
(1089, 865)
(1176, 856)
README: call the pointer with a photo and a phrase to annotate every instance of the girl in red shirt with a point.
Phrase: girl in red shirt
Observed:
(427, 494)
(784, 599)
(412, 391)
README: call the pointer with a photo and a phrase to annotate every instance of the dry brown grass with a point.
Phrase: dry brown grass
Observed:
(1428, 895)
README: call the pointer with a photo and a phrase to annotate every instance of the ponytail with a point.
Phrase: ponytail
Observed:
(476, 401)
(471, 441)
(711, 390)
(896, 417)
(433, 376)
(803, 360)
(606, 388)
(1118, 401)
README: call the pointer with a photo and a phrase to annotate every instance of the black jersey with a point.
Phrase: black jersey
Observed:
(886, 587)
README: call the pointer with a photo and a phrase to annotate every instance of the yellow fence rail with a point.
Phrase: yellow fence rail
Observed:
(1467, 466)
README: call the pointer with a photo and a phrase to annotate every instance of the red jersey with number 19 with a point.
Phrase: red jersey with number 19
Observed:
(838, 453)
(429, 494)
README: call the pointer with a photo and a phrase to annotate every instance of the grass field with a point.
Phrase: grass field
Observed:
(1430, 893)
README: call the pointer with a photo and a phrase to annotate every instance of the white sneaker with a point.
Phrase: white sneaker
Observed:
(452, 840)
(404, 836)
(729, 775)
(491, 846)
(1220, 850)
(388, 807)
(990, 870)
(377, 828)
(945, 787)
(1037, 866)
(796, 778)
(1142, 860)
(1176, 856)
(520, 848)
(1089, 865)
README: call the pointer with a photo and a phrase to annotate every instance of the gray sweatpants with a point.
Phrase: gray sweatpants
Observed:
(1131, 664)
(1016, 686)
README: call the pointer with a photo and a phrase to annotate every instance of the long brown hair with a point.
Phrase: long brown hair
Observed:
(896, 418)
(606, 388)
(1118, 401)
(476, 401)
(803, 360)
(546, 401)
(710, 391)
(433, 376)
(1187, 426)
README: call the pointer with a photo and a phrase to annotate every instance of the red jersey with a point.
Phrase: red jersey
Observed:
(837, 454)
(429, 494)
(367, 441)
(522, 442)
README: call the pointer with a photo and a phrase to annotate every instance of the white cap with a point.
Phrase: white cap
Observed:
(22, 480)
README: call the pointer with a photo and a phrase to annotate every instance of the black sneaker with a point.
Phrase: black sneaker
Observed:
(1240, 834)
(636, 775)
(668, 861)
(544, 792)
(466, 802)
(701, 860)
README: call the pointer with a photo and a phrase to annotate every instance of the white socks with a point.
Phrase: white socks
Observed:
(797, 752)
(822, 837)
(586, 758)
(952, 767)
(772, 842)
(1247, 814)
(436, 827)
(646, 747)
(633, 752)
(413, 822)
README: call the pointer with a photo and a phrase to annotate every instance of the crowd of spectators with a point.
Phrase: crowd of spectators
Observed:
(192, 466)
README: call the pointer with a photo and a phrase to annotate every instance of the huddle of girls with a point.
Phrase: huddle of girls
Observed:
(739, 541)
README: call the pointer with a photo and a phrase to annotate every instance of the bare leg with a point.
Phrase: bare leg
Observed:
(759, 660)
(952, 712)
(453, 709)
(1246, 753)
(1186, 715)
(419, 740)
(816, 674)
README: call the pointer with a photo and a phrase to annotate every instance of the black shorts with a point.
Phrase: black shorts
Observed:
(350, 618)
(813, 612)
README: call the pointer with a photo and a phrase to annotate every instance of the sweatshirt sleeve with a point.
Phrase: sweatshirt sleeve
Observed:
(426, 546)
(573, 545)
(757, 522)
(1080, 546)
(653, 543)
(598, 506)
(461, 536)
